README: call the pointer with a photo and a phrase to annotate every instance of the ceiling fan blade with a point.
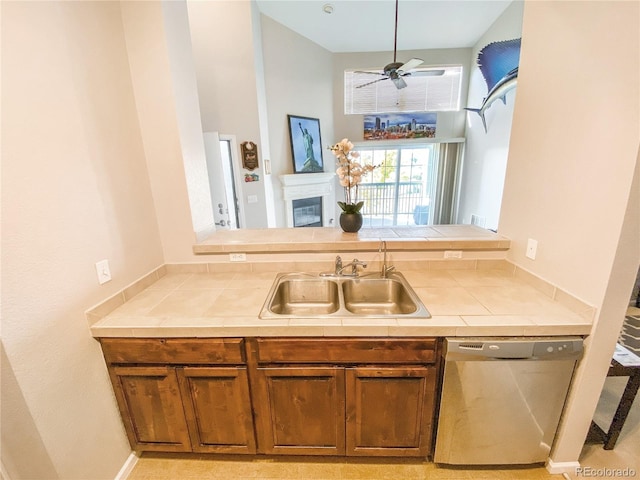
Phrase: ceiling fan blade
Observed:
(369, 83)
(413, 63)
(427, 73)
(399, 82)
(369, 73)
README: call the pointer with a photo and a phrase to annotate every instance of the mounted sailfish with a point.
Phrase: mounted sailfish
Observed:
(498, 62)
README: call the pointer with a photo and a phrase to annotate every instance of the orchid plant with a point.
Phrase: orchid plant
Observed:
(350, 173)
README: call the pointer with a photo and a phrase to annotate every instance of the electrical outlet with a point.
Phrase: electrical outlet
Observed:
(237, 257)
(103, 271)
(453, 254)
(532, 248)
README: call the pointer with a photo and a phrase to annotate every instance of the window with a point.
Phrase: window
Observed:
(414, 184)
(424, 92)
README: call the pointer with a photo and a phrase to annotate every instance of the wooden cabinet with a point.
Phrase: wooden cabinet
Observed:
(151, 408)
(295, 396)
(172, 407)
(217, 406)
(327, 396)
(389, 410)
(302, 410)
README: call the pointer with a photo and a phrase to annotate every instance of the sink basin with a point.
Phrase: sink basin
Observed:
(307, 295)
(375, 296)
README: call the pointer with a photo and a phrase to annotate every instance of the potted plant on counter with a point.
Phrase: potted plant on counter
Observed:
(350, 173)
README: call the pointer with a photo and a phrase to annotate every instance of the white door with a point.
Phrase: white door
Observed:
(220, 162)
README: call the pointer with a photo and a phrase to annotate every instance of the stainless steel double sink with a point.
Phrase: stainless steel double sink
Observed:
(307, 295)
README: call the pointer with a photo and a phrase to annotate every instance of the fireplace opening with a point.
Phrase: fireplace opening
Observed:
(307, 212)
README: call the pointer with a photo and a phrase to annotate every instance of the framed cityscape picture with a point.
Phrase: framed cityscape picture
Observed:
(306, 144)
(391, 126)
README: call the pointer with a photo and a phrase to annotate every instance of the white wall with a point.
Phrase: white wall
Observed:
(573, 152)
(223, 52)
(75, 190)
(485, 160)
(298, 78)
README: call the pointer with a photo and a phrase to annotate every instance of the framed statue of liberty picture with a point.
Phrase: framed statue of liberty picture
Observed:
(306, 144)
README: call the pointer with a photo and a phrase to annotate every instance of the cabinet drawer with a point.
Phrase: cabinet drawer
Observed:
(346, 350)
(174, 350)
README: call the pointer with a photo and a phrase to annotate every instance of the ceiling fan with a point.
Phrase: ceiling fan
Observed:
(396, 70)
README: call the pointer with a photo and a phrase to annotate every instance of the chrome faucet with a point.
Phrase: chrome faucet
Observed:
(385, 269)
(340, 268)
(354, 264)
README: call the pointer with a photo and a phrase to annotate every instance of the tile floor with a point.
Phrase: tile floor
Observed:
(188, 467)
(168, 467)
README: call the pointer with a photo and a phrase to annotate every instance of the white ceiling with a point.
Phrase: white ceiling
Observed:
(368, 25)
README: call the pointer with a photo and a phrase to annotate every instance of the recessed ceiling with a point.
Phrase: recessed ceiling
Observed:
(368, 25)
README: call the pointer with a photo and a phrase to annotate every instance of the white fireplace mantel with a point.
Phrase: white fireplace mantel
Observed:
(309, 185)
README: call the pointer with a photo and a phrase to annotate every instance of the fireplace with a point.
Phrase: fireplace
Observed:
(307, 212)
(309, 199)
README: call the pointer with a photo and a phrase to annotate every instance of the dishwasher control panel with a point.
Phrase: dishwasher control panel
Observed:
(559, 347)
(516, 348)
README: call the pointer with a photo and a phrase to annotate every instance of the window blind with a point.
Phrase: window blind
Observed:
(424, 93)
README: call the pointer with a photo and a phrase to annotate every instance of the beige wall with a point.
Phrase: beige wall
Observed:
(185, 93)
(223, 51)
(574, 148)
(75, 190)
(155, 91)
(574, 140)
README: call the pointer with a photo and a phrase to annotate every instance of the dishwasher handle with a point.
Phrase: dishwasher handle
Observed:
(484, 349)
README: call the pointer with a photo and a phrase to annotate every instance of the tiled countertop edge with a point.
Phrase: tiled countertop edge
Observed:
(364, 331)
(394, 327)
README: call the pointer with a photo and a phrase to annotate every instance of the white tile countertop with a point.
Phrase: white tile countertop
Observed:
(323, 239)
(493, 299)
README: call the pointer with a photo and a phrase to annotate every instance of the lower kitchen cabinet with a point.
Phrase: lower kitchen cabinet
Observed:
(345, 408)
(217, 405)
(389, 410)
(151, 408)
(291, 396)
(173, 397)
(300, 410)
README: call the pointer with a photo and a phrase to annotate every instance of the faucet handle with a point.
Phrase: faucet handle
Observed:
(355, 264)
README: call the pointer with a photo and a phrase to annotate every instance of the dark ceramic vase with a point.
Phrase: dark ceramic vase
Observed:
(351, 222)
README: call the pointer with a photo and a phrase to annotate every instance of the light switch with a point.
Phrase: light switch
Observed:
(103, 271)
(252, 199)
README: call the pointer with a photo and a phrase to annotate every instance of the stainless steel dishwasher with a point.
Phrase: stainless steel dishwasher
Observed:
(502, 398)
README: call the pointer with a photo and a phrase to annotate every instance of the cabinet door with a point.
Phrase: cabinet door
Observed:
(389, 411)
(300, 410)
(151, 408)
(218, 409)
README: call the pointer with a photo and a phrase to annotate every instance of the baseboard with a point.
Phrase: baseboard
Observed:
(127, 468)
(557, 468)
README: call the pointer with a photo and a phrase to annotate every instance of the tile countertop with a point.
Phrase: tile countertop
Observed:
(323, 239)
(462, 302)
